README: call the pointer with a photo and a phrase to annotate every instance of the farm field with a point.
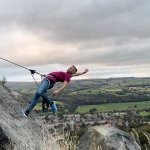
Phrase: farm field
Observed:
(115, 107)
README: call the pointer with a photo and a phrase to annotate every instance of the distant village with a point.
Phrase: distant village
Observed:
(75, 122)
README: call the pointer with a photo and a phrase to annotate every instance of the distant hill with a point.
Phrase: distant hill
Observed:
(15, 85)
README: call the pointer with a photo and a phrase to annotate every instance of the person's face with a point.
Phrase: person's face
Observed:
(71, 70)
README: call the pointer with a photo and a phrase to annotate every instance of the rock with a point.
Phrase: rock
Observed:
(107, 138)
(25, 133)
(3, 139)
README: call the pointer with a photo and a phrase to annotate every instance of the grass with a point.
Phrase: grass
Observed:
(144, 113)
(59, 103)
(115, 107)
(96, 91)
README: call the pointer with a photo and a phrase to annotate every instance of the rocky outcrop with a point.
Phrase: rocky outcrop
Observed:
(21, 133)
(4, 141)
(107, 138)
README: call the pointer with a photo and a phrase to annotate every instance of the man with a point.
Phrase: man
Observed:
(48, 82)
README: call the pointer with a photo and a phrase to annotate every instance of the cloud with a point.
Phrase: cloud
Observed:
(73, 18)
(67, 21)
(104, 33)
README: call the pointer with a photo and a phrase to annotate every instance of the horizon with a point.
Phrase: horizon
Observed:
(129, 77)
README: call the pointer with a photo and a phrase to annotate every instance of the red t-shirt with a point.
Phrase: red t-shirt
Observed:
(59, 76)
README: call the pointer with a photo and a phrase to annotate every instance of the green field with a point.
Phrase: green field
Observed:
(115, 106)
(143, 113)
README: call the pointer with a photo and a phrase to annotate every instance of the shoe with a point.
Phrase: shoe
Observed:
(25, 113)
(53, 107)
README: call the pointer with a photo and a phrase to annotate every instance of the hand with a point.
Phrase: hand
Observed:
(55, 93)
(86, 70)
(44, 75)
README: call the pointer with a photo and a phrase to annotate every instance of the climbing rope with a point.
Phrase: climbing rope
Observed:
(31, 70)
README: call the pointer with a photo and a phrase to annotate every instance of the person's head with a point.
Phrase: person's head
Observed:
(72, 70)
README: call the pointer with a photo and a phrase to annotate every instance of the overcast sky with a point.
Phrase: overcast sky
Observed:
(109, 37)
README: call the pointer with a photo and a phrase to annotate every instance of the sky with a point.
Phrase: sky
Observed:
(109, 37)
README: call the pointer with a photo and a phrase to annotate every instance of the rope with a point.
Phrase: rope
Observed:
(31, 71)
(14, 63)
(34, 79)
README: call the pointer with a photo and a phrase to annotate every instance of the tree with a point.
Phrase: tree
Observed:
(92, 111)
(72, 108)
(3, 81)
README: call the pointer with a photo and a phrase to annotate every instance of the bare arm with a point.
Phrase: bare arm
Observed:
(80, 73)
(61, 88)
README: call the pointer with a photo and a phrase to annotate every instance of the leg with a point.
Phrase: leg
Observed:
(40, 92)
(48, 101)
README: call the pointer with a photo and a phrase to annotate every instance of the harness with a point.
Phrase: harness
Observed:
(49, 81)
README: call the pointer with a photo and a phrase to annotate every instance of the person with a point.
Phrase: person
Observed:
(48, 82)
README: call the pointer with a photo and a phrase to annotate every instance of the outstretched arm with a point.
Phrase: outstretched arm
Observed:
(60, 89)
(80, 73)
